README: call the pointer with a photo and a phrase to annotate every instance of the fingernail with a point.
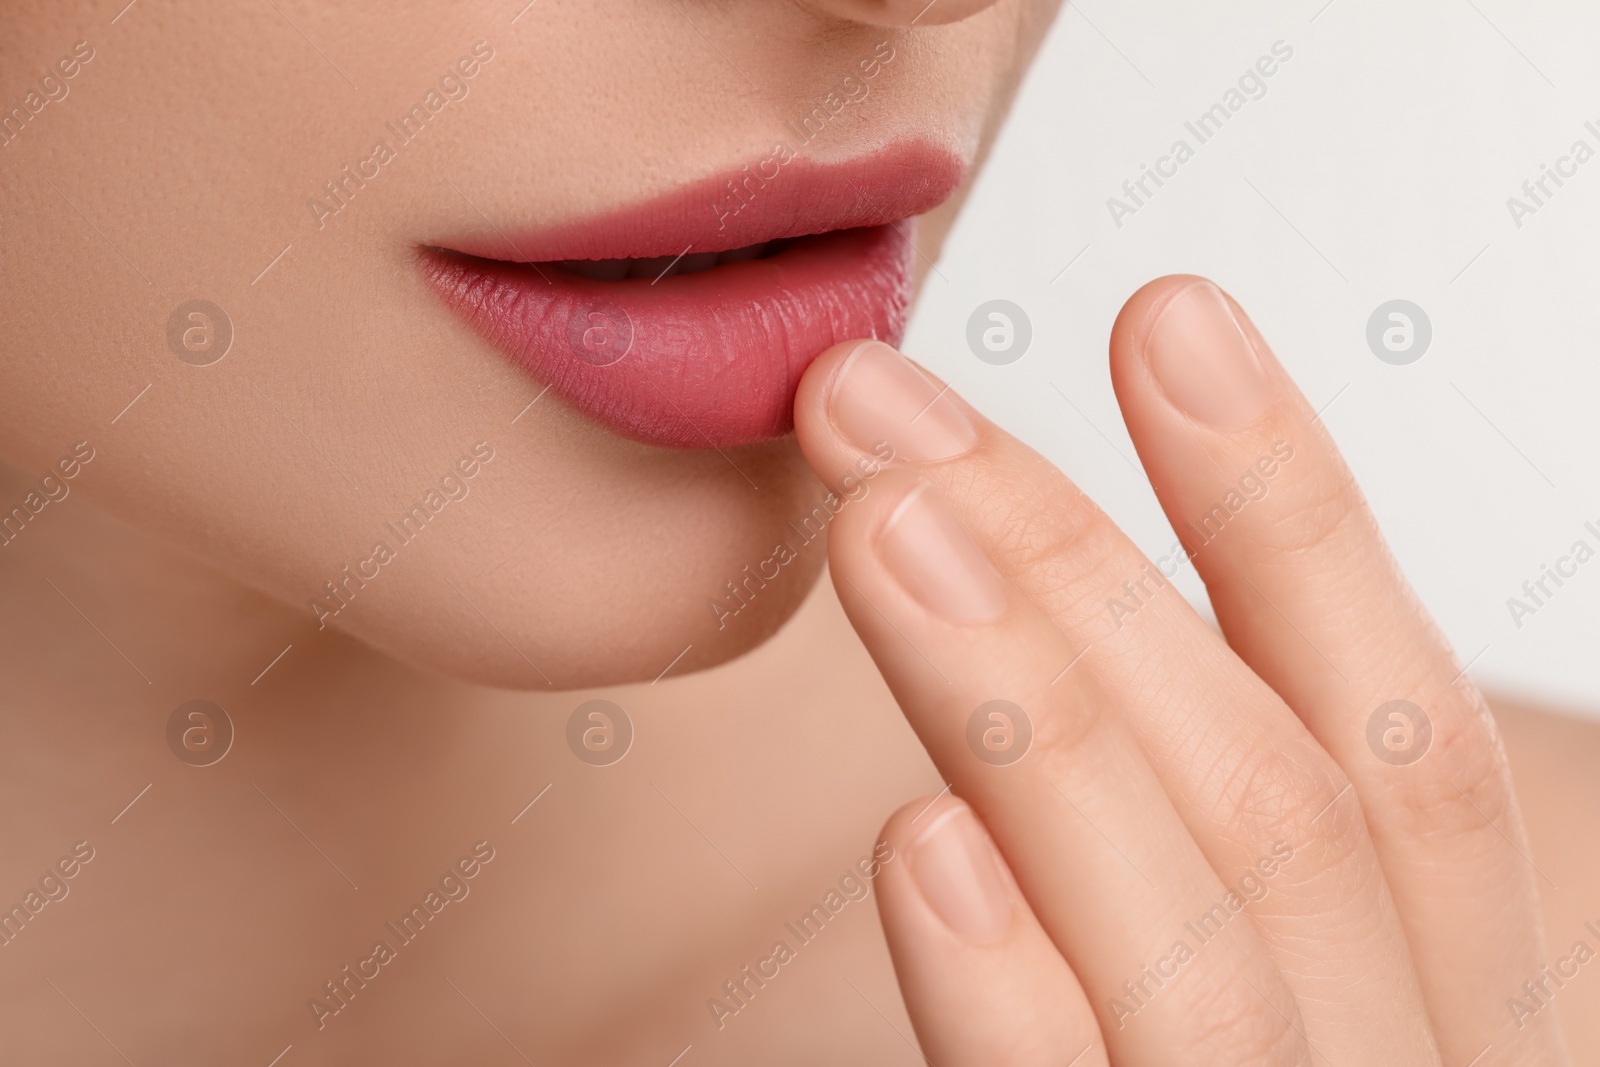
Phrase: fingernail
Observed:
(931, 555)
(878, 395)
(1204, 362)
(958, 870)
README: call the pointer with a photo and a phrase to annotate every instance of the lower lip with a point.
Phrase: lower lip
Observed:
(705, 360)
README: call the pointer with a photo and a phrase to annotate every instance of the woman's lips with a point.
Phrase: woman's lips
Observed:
(701, 360)
(702, 346)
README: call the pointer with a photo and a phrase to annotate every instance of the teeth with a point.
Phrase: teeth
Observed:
(612, 270)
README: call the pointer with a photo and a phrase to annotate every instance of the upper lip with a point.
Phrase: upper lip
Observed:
(764, 200)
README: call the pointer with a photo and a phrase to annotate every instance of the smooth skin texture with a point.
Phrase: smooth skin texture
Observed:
(1372, 910)
(182, 163)
(180, 166)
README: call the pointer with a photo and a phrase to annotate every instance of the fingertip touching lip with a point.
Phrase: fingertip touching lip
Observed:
(687, 322)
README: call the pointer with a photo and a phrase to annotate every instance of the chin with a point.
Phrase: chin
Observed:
(696, 559)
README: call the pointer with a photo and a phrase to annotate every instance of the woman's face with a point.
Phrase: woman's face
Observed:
(297, 278)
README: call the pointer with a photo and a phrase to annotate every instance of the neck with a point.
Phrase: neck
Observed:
(149, 623)
(353, 782)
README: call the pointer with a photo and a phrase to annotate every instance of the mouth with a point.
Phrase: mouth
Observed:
(688, 321)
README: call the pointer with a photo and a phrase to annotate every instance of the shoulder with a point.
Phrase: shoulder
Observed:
(1555, 762)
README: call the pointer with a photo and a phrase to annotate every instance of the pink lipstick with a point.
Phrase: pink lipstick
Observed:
(687, 322)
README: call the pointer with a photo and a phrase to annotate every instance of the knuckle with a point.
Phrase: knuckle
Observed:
(1069, 721)
(1049, 514)
(1310, 514)
(1049, 536)
(1056, 544)
(1237, 1025)
(1462, 784)
(1295, 795)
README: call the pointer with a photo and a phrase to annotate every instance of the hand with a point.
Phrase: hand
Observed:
(1214, 849)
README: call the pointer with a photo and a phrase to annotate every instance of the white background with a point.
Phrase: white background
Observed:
(1384, 151)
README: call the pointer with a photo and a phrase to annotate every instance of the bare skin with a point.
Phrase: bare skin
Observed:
(393, 792)
(642, 930)
(1322, 767)
(597, 933)
(595, 914)
(1553, 754)
(348, 745)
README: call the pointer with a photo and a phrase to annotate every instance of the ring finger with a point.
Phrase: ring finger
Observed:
(1109, 868)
